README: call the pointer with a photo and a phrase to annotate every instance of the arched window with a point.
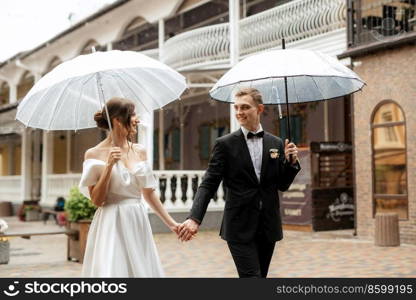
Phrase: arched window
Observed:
(389, 160)
(26, 82)
(52, 64)
(139, 35)
(4, 93)
(87, 49)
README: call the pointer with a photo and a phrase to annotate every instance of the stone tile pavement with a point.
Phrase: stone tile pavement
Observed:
(300, 254)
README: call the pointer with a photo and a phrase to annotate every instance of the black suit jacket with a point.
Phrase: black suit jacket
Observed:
(244, 194)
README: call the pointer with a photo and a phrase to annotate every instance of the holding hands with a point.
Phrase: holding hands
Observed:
(187, 230)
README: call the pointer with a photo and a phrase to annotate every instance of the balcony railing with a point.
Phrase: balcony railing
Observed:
(201, 46)
(10, 188)
(296, 20)
(176, 189)
(379, 21)
(58, 185)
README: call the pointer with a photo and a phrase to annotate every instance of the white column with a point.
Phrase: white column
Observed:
(161, 141)
(36, 180)
(149, 138)
(161, 28)
(181, 135)
(109, 46)
(36, 165)
(12, 93)
(161, 117)
(145, 134)
(47, 161)
(234, 13)
(26, 165)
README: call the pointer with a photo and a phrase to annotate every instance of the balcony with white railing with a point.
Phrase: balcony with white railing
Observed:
(10, 188)
(59, 185)
(176, 189)
(200, 47)
(296, 20)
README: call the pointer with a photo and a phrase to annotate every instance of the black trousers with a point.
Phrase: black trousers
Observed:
(252, 259)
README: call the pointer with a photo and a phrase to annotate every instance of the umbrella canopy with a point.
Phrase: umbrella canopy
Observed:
(310, 76)
(67, 97)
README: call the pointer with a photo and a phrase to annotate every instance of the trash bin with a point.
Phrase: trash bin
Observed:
(387, 230)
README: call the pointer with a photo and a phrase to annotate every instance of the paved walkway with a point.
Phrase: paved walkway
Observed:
(300, 254)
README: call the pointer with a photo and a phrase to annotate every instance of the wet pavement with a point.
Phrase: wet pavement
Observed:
(300, 254)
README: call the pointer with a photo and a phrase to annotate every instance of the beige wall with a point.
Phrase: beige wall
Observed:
(18, 160)
(389, 74)
(80, 142)
(59, 152)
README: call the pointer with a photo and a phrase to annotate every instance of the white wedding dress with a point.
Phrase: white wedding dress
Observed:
(120, 241)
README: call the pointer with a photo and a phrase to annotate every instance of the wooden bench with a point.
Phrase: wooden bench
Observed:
(72, 234)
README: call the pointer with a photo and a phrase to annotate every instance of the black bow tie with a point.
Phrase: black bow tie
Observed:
(250, 135)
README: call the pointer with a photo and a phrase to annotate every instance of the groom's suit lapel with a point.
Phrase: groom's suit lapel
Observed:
(245, 154)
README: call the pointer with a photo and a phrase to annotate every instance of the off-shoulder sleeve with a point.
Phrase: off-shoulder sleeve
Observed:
(145, 176)
(91, 171)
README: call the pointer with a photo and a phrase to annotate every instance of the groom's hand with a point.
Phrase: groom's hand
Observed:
(187, 230)
(291, 152)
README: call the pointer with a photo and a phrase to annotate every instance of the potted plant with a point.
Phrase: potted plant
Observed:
(80, 211)
(32, 212)
(4, 244)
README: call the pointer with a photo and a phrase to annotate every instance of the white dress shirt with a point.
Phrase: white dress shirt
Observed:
(255, 147)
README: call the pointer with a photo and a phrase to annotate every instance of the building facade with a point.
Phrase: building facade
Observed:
(202, 40)
(382, 46)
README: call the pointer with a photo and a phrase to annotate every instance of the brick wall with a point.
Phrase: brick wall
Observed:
(389, 74)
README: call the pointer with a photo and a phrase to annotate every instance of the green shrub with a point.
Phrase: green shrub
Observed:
(78, 206)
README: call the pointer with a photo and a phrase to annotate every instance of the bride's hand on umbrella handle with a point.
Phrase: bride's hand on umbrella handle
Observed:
(114, 155)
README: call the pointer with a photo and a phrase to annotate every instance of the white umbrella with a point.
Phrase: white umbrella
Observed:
(311, 76)
(67, 97)
(289, 76)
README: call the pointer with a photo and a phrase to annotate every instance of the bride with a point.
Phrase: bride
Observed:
(115, 175)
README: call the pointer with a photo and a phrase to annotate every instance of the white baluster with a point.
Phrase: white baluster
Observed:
(168, 193)
(189, 192)
(178, 192)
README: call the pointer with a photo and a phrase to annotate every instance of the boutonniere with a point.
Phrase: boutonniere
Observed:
(274, 153)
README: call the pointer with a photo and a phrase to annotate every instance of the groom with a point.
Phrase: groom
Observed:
(253, 166)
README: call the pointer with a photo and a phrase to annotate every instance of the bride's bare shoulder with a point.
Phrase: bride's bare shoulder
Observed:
(96, 152)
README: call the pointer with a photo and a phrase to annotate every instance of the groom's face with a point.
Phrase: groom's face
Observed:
(247, 112)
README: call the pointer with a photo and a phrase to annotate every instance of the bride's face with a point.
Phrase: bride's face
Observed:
(134, 121)
(132, 127)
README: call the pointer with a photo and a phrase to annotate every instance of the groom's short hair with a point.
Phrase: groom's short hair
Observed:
(252, 92)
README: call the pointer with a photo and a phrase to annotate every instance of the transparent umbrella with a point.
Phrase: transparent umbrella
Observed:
(67, 97)
(289, 76)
